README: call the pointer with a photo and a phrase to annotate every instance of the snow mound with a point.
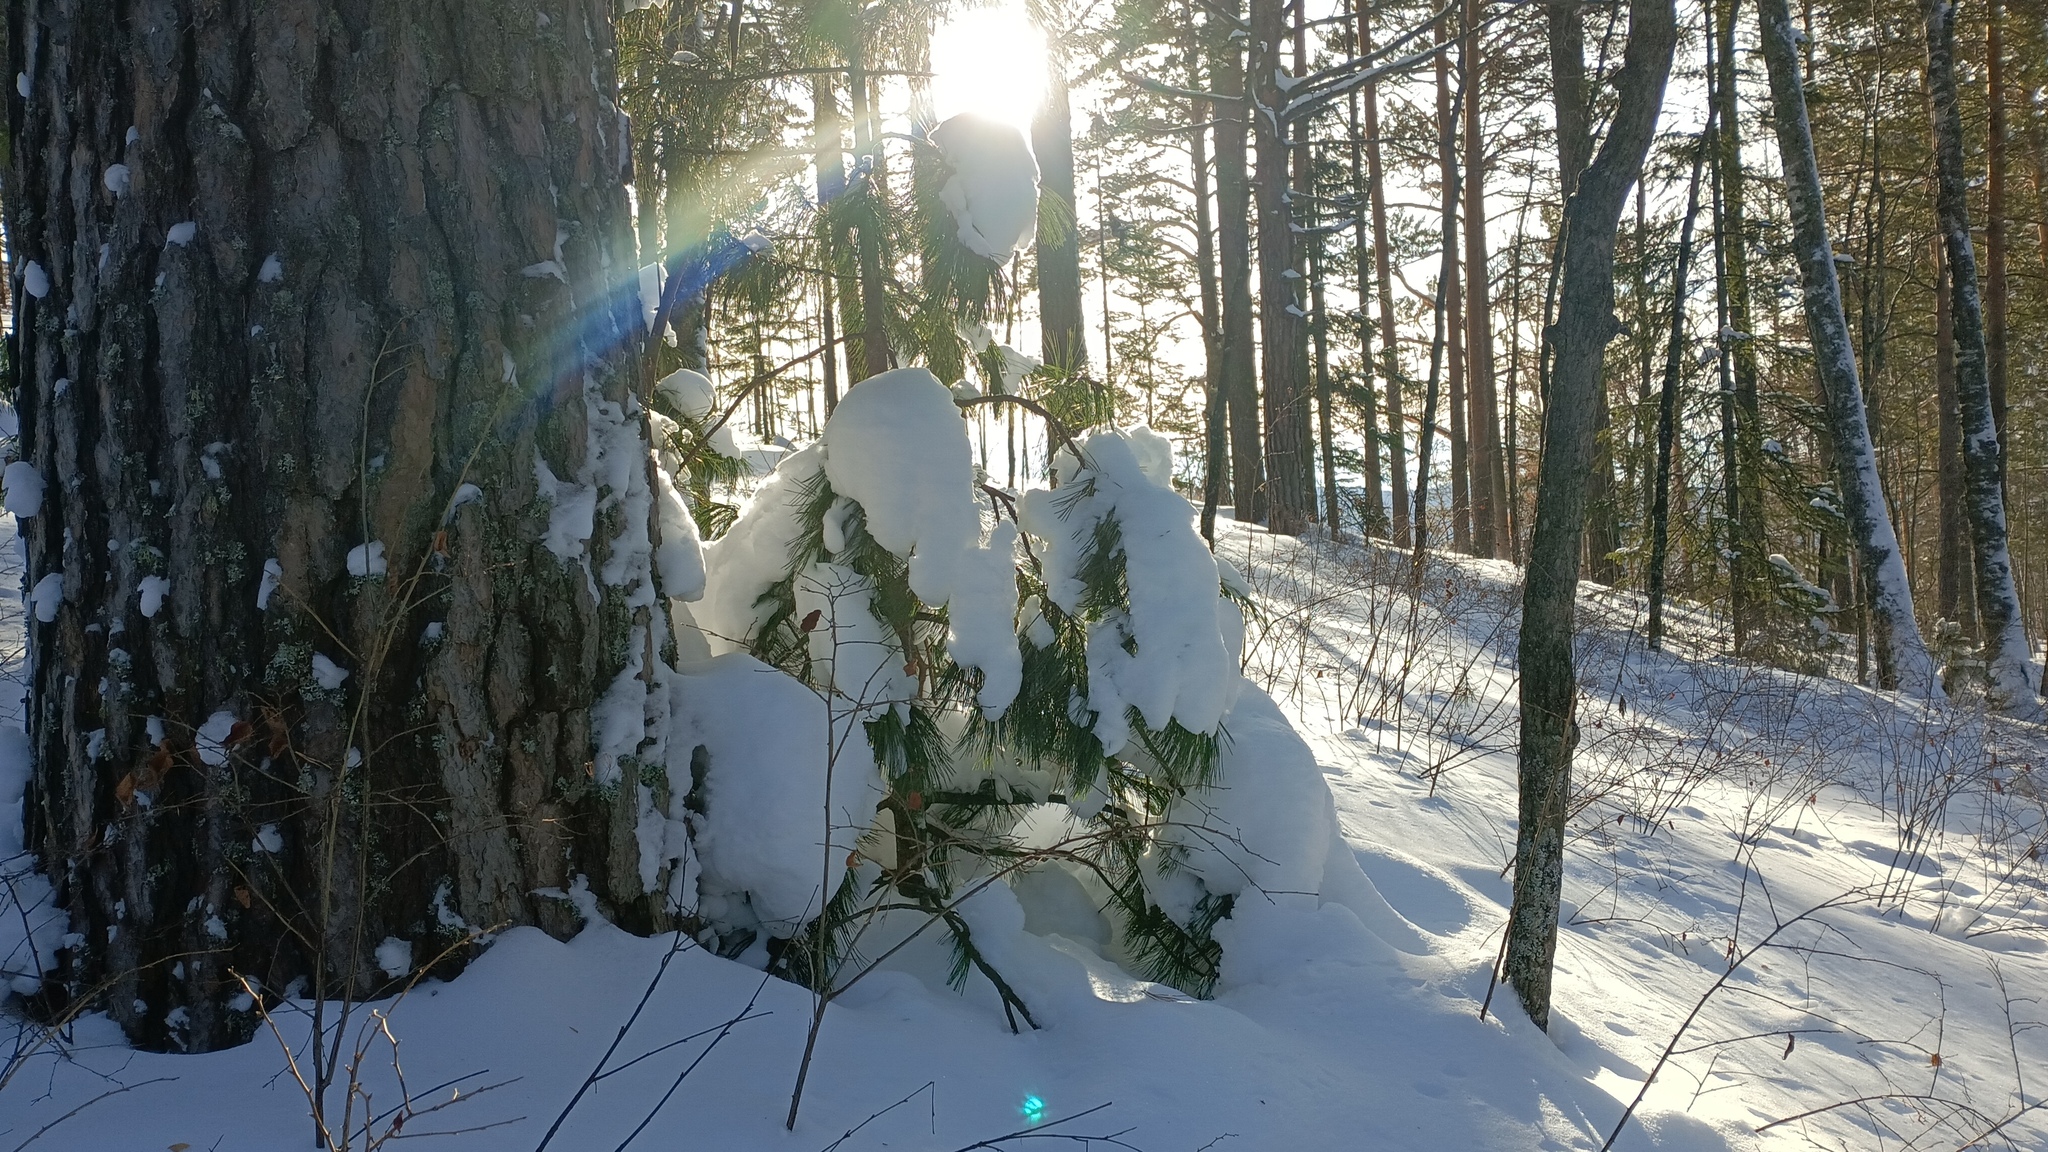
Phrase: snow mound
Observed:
(762, 839)
(993, 189)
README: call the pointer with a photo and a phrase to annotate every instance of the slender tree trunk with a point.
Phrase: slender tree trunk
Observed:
(1062, 330)
(1748, 569)
(876, 356)
(1724, 359)
(1902, 660)
(1290, 499)
(1955, 590)
(1996, 296)
(1319, 333)
(1375, 519)
(1585, 326)
(1450, 178)
(1233, 238)
(1667, 395)
(258, 381)
(1482, 428)
(1446, 281)
(1383, 281)
(1216, 463)
(1998, 605)
(830, 147)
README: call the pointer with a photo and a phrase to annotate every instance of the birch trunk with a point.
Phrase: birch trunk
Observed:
(1902, 660)
(1998, 602)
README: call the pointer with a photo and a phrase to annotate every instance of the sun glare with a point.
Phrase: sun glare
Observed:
(989, 61)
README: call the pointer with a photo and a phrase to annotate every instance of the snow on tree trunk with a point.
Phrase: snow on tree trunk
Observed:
(1585, 326)
(316, 389)
(1902, 659)
(1998, 601)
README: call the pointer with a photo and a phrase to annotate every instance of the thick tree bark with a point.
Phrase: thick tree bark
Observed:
(1383, 283)
(1902, 660)
(1585, 325)
(1998, 604)
(1290, 496)
(364, 255)
(1482, 427)
(1234, 262)
(1062, 330)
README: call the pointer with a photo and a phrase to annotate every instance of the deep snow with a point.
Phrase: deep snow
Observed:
(1711, 793)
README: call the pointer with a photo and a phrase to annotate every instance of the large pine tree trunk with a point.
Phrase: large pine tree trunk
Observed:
(1062, 330)
(1585, 325)
(360, 256)
(1234, 264)
(1902, 660)
(1998, 602)
(1290, 496)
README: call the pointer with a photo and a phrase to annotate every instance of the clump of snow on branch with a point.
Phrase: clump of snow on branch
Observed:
(1167, 656)
(754, 553)
(993, 190)
(690, 391)
(897, 446)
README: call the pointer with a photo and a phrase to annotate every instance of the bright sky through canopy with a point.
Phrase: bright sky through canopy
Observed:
(991, 61)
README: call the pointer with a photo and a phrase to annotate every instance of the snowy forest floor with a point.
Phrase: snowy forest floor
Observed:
(1717, 806)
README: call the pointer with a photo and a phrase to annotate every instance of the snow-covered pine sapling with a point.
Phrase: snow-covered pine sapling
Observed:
(861, 569)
